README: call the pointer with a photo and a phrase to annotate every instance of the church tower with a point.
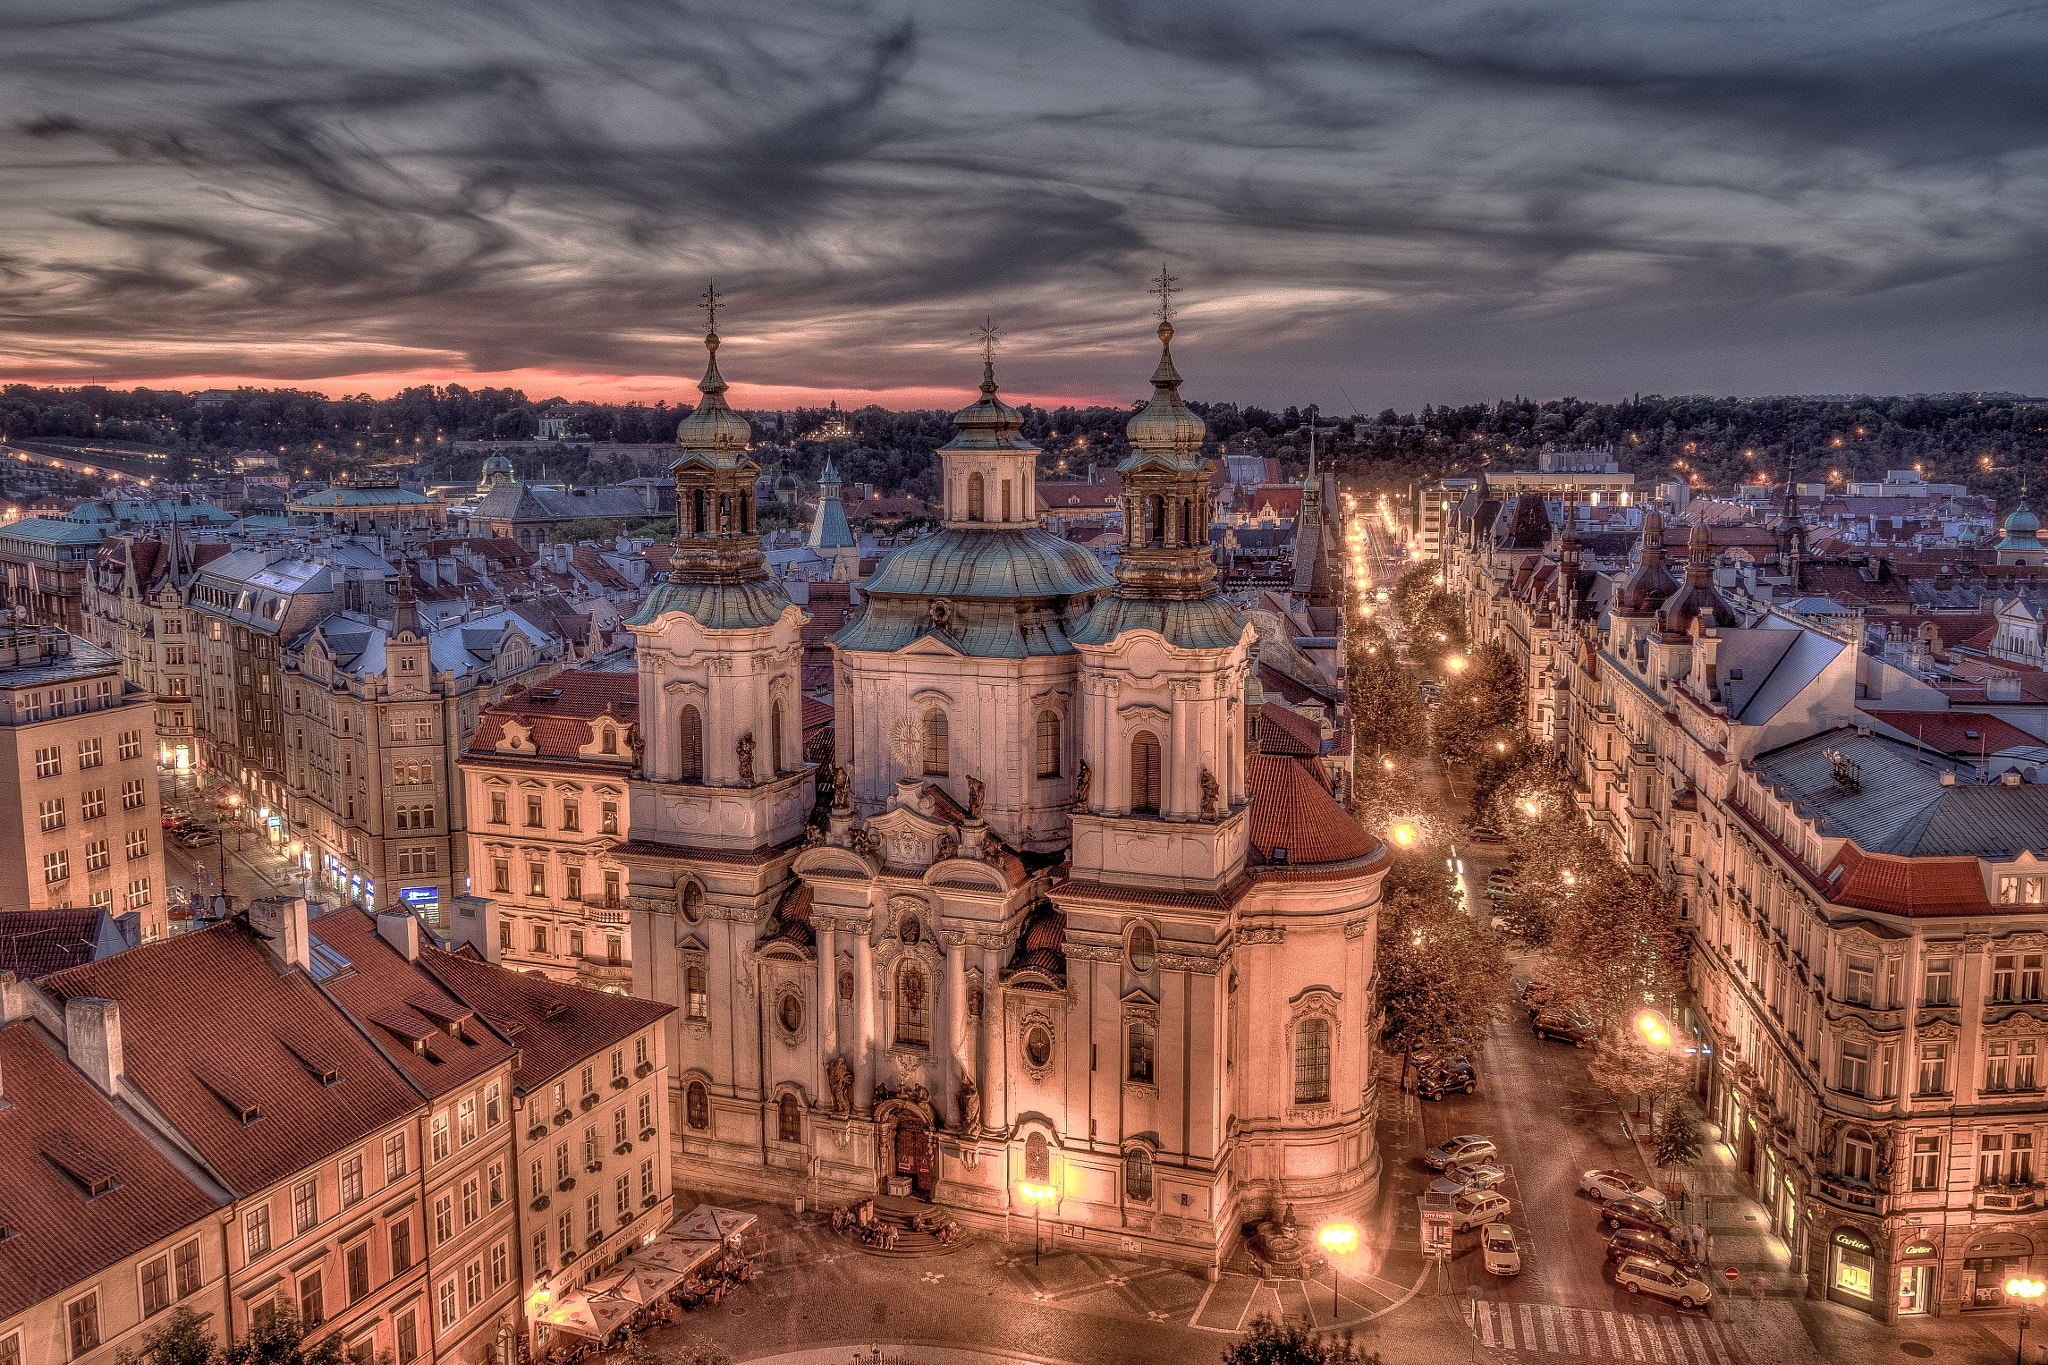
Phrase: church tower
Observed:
(1163, 665)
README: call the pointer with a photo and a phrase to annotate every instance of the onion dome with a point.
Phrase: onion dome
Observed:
(2022, 522)
(714, 428)
(1651, 582)
(1697, 600)
(989, 423)
(1165, 428)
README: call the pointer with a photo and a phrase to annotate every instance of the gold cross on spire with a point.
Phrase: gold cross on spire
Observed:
(991, 337)
(710, 304)
(1166, 286)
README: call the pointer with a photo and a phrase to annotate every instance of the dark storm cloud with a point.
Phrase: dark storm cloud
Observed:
(1390, 202)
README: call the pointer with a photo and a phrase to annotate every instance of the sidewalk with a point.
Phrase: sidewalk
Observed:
(1788, 1328)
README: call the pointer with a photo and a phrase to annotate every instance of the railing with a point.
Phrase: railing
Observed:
(1847, 1195)
(2008, 1198)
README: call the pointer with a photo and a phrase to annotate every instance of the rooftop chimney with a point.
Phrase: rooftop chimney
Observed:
(282, 921)
(400, 929)
(2010, 779)
(92, 1037)
(1948, 779)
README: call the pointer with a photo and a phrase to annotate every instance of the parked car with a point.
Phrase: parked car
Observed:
(1638, 1242)
(1564, 1026)
(1606, 1185)
(1435, 1082)
(1634, 1213)
(1476, 1175)
(1503, 1257)
(1477, 1208)
(1485, 834)
(1641, 1275)
(198, 838)
(1535, 997)
(1464, 1147)
(1499, 891)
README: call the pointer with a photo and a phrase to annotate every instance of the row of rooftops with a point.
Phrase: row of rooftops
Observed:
(129, 1116)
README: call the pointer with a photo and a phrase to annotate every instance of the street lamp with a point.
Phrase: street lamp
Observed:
(1404, 834)
(1338, 1239)
(2026, 1291)
(1037, 1196)
(1654, 1029)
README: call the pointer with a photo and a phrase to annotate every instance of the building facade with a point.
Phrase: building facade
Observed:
(1060, 922)
(79, 749)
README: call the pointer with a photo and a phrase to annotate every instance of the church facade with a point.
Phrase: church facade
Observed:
(1054, 918)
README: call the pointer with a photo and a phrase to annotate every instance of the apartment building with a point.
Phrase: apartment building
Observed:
(104, 1230)
(591, 1123)
(1867, 915)
(546, 777)
(244, 608)
(43, 567)
(375, 713)
(346, 1145)
(135, 593)
(79, 760)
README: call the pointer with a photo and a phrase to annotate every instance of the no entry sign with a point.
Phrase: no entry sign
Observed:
(1733, 1274)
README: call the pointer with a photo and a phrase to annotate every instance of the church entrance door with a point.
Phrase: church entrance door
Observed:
(914, 1154)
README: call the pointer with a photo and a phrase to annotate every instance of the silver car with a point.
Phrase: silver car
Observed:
(1464, 1147)
(1641, 1275)
(1476, 1175)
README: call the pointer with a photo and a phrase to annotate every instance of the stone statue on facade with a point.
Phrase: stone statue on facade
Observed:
(1081, 786)
(745, 750)
(1211, 795)
(840, 1077)
(860, 841)
(970, 1107)
(842, 787)
(639, 748)
(975, 791)
(945, 848)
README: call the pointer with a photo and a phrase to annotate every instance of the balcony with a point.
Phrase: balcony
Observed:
(2007, 1198)
(1848, 1194)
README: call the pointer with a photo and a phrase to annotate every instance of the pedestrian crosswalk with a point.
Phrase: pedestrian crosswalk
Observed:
(1596, 1334)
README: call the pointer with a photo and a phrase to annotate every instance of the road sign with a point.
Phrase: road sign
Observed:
(1733, 1274)
(1436, 1223)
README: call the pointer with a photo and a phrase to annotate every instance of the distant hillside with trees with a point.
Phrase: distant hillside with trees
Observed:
(1983, 441)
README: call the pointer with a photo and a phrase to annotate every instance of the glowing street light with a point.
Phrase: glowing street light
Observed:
(1456, 663)
(1405, 834)
(2026, 1291)
(1037, 1196)
(1338, 1239)
(1654, 1029)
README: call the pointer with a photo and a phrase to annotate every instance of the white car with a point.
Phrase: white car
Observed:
(1502, 1256)
(1477, 1208)
(1606, 1185)
(1641, 1275)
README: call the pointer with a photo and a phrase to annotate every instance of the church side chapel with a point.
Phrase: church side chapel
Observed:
(1065, 918)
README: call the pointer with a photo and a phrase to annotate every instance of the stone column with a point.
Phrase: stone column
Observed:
(827, 999)
(1179, 802)
(864, 1040)
(956, 1020)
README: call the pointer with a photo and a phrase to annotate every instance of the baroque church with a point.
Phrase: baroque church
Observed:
(1057, 915)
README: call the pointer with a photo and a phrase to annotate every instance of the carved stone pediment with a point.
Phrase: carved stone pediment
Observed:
(2018, 1024)
(517, 739)
(908, 840)
(1937, 1030)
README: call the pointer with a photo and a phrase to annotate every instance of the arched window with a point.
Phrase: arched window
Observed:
(1155, 519)
(1138, 1176)
(1037, 1160)
(1312, 1061)
(746, 514)
(974, 497)
(697, 1106)
(692, 745)
(1006, 499)
(697, 511)
(913, 1005)
(1145, 772)
(938, 744)
(696, 1005)
(790, 1123)
(1048, 744)
(1144, 1041)
(691, 902)
(775, 737)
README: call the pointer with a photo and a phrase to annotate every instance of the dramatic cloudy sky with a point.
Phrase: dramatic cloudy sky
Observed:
(1366, 203)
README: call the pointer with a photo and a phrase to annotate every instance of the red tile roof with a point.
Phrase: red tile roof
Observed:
(559, 722)
(1915, 887)
(259, 1017)
(1282, 731)
(1291, 810)
(54, 1122)
(389, 992)
(1955, 732)
(34, 943)
(555, 1026)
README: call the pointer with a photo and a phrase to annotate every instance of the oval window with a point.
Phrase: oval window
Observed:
(691, 902)
(1038, 1045)
(1142, 949)
(792, 1013)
